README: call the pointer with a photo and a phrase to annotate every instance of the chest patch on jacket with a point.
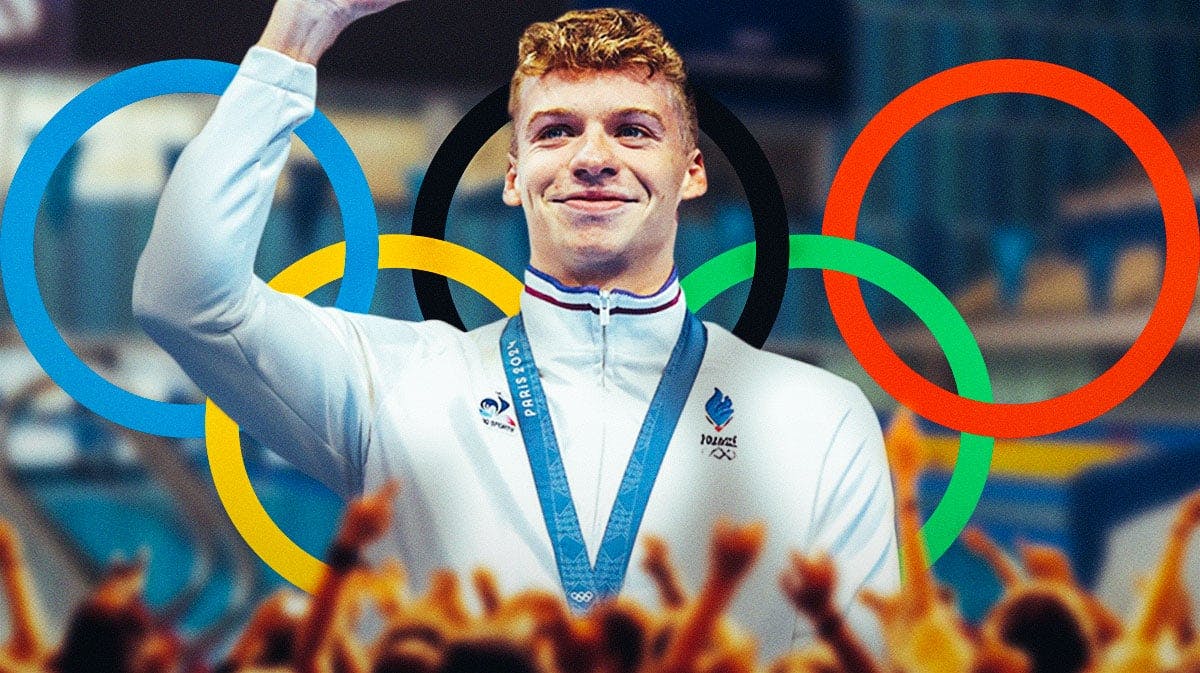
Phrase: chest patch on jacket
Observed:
(718, 411)
(494, 412)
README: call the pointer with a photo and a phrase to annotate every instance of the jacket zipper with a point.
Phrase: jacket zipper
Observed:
(605, 318)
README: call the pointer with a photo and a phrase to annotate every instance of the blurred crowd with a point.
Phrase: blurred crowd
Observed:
(363, 618)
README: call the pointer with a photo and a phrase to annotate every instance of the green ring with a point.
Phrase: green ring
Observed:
(810, 251)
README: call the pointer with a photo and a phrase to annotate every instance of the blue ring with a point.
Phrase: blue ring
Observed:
(24, 199)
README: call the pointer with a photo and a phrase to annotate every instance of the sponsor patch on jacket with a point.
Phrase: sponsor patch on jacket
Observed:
(494, 413)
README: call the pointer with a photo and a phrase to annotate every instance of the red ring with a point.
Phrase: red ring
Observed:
(1179, 272)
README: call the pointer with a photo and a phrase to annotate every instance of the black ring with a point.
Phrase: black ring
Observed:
(716, 121)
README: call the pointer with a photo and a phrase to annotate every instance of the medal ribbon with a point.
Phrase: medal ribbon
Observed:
(583, 583)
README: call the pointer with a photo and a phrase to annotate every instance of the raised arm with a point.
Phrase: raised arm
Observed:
(1162, 604)
(809, 584)
(734, 551)
(365, 521)
(985, 547)
(920, 626)
(295, 376)
(906, 455)
(657, 564)
(28, 642)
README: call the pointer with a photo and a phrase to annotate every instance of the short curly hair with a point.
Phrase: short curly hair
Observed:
(602, 39)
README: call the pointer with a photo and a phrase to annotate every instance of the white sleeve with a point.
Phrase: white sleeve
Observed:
(855, 520)
(296, 376)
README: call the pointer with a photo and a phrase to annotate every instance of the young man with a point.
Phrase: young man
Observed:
(528, 446)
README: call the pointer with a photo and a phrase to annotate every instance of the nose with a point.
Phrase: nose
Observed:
(594, 161)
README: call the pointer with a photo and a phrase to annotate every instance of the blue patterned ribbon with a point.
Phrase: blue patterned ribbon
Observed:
(583, 583)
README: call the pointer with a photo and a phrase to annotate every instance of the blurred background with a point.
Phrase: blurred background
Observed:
(1031, 215)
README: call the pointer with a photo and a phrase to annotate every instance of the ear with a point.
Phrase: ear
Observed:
(695, 181)
(512, 193)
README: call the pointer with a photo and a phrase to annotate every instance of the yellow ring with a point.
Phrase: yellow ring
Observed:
(396, 251)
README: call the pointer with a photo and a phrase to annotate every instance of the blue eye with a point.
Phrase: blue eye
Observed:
(632, 132)
(552, 132)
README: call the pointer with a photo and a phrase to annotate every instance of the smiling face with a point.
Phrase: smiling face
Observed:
(601, 160)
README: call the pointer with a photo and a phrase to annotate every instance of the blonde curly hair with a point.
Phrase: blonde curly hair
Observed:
(602, 39)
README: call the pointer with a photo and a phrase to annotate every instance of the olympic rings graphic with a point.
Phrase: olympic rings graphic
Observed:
(718, 123)
(25, 194)
(970, 411)
(1179, 273)
(713, 277)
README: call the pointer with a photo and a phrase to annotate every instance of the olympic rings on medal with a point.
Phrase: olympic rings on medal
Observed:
(931, 307)
(25, 195)
(718, 123)
(583, 596)
(396, 251)
(1179, 273)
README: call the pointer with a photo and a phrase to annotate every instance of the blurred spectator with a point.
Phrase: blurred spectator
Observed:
(1044, 623)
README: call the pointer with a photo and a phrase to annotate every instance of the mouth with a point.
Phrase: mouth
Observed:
(594, 202)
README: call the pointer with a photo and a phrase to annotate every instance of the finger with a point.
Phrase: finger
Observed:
(488, 591)
(387, 492)
(882, 606)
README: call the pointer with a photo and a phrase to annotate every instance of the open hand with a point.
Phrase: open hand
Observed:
(356, 9)
(304, 29)
(735, 549)
(809, 583)
(368, 517)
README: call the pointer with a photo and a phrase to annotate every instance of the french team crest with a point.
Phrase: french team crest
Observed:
(718, 410)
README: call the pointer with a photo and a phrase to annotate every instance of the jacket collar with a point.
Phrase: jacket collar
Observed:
(568, 338)
(543, 286)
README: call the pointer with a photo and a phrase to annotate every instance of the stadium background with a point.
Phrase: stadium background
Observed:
(1031, 215)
